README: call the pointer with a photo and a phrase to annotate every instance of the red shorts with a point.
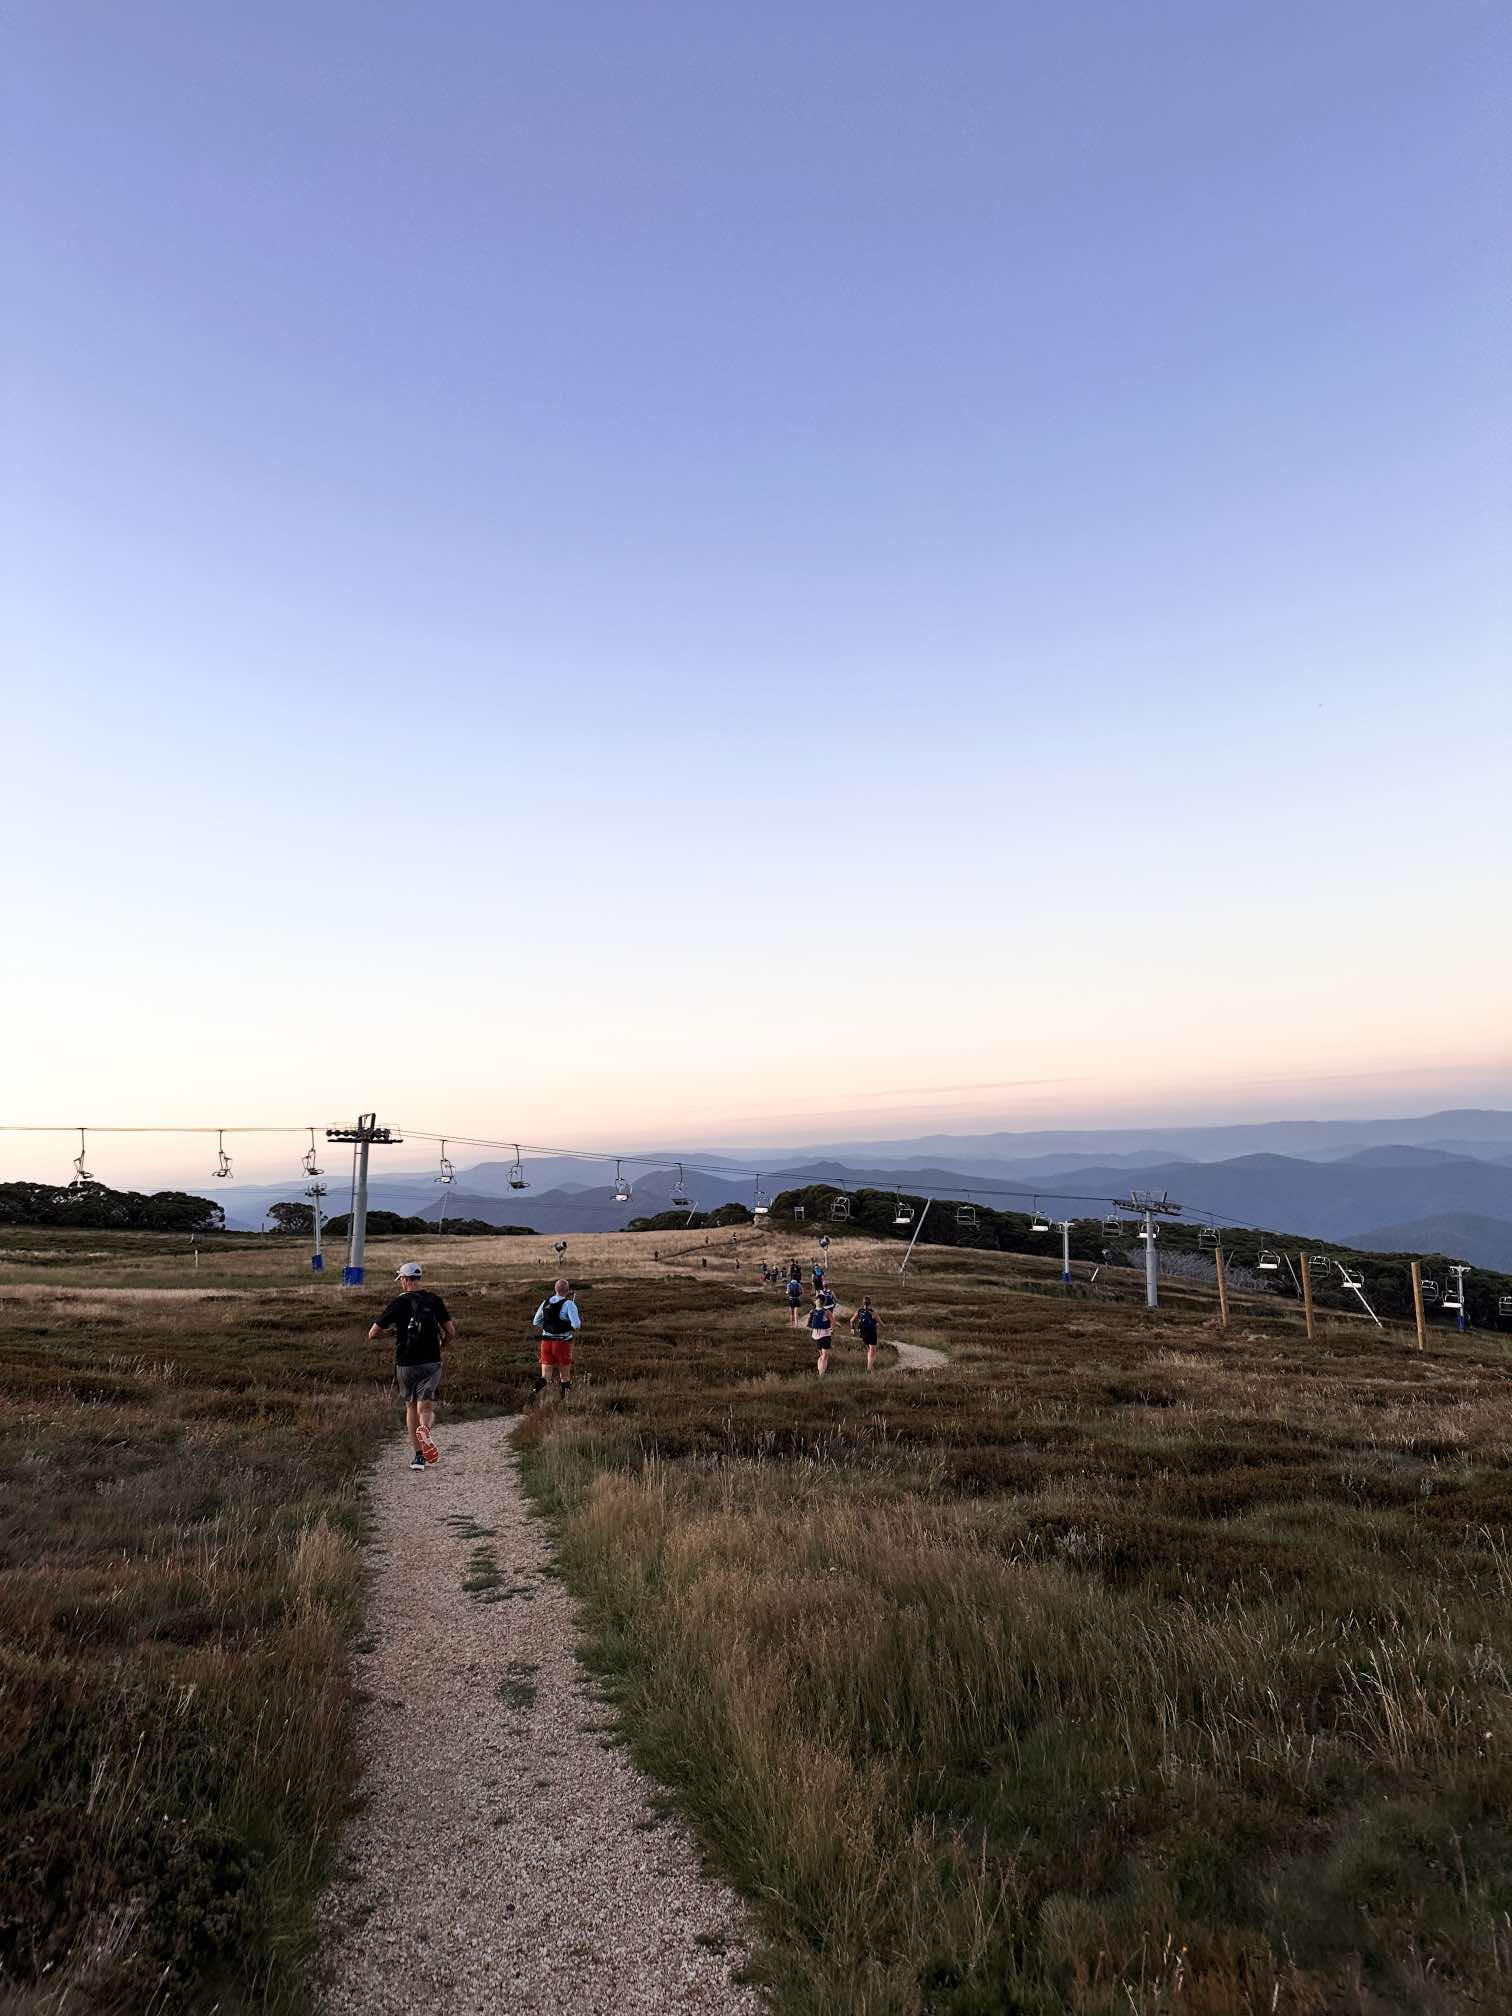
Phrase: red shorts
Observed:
(557, 1351)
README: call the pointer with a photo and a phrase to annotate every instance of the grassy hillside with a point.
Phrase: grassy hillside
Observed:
(1117, 1667)
(1120, 1666)
(1388, 1275)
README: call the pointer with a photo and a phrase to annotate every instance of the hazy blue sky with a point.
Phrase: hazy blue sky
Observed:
(619, 571)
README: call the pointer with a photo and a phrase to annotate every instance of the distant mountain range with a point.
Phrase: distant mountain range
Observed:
(1397, 1184)
(1463, 1235)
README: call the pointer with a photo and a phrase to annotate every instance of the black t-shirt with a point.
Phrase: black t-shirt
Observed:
(417, 1322)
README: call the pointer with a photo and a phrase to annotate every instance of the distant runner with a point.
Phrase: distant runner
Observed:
(558, 1321)
(421, 1323)
(795, 1296)
(819, 1329)
(827, 1297)
(864, 1323)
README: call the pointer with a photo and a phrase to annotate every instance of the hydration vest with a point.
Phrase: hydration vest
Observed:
(553, 1322)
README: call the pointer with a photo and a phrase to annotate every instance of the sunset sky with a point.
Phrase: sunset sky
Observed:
(616, 574)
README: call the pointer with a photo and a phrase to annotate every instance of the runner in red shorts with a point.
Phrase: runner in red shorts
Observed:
(558, 1321)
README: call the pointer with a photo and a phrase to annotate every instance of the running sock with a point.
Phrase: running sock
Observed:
(566, 1388)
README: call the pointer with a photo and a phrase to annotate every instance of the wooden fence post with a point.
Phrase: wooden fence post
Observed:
(1417, 1302)
(1222, 1290)
(1307, 1308)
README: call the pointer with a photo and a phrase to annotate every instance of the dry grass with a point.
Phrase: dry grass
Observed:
(1121, 1666)
(181, 1512)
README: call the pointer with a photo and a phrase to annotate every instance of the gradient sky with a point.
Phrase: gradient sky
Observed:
(618, 573)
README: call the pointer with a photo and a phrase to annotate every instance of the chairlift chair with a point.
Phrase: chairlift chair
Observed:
(1112, 1223)
(797, 1214)
(621, 1187)
(679, 1197)
(1320, 1263)
(223, 1160)
(1431, 1291)
(966, 1215)
(310, 1168)
(761, 1204)
(1350, 1277)
(1038, 1222)
(1504, 1305)
(1207, 1238)
(446, 1174)
(517, 1180)
(840, 1209)
(902, 1213)
(1455, 1300)
(1269, 1262)
(81, 1175)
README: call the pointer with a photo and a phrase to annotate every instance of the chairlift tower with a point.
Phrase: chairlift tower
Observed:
(1456, 1301)
(1147, 1204)
(1063, 1226)
(315, 1192)
(362, 1137)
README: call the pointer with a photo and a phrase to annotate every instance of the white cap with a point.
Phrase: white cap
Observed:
(410, 1271)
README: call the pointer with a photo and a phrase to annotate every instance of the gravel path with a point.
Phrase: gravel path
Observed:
(507, 1858)
(919, 1357)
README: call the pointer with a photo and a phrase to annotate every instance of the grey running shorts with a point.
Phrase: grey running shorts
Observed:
(418, 1382)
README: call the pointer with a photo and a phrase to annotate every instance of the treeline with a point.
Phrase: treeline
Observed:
(381, 1222)
(965, 1223)
(692, 1221)
(94, 1207)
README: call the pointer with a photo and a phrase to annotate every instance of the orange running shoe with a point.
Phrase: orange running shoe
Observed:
(428, 1447)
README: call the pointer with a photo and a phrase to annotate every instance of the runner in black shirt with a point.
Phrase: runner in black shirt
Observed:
(421, 1323)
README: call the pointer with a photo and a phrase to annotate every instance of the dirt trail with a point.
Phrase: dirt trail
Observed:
(919, 1357)
(507, 1856)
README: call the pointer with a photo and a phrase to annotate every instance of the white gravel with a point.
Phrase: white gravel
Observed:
(918, 1357)
(507, 1857)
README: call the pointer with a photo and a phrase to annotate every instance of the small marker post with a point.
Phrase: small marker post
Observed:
(1417, 1305)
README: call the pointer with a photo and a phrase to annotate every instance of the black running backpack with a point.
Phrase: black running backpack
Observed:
(422, 1332)
(553, 1322)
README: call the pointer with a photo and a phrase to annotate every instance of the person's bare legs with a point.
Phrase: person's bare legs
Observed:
(412, 1422)
(823, 1360)
(427, 1419)
(871, 1357)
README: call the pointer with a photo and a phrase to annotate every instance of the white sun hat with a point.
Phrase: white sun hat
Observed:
(410, 1271)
